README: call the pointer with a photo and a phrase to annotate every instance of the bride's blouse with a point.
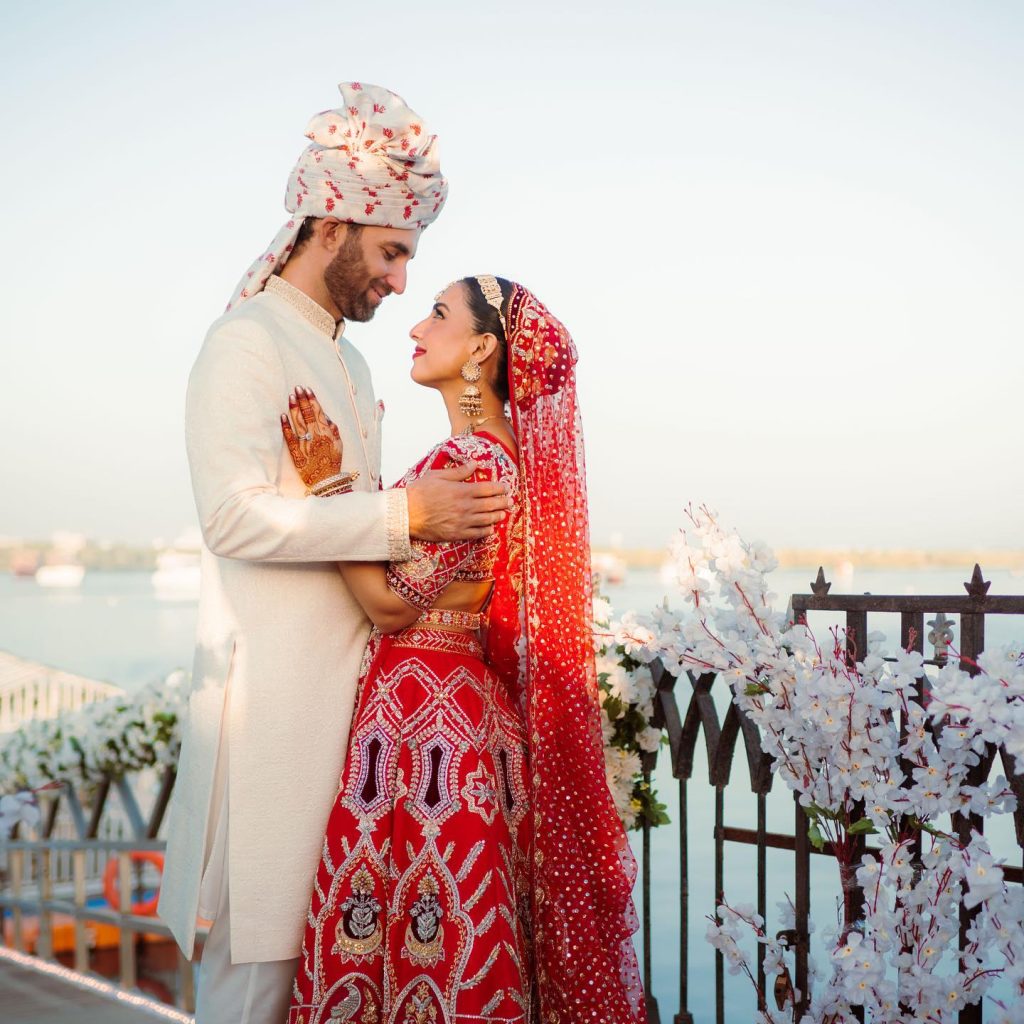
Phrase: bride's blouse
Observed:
(420, 579)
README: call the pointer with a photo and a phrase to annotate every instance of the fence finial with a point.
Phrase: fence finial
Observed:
(820, 587)
(940, 636)
(978, 586)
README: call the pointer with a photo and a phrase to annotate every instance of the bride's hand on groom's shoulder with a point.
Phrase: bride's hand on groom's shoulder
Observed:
(313, 441)
(444, 507)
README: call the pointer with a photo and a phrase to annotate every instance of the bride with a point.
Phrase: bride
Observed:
(473, 867)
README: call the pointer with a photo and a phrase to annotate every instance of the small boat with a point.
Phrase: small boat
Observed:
(176, 576)
(65, 576)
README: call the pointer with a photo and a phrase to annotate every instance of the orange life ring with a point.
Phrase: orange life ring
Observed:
(146, 908)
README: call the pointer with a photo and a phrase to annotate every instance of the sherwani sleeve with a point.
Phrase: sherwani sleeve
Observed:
(236, 394)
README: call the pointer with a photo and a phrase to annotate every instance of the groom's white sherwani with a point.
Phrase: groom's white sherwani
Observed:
(280, 637)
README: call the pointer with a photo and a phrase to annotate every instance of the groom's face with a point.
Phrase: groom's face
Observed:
(370, 264)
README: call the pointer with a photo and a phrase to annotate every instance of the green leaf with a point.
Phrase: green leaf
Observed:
(815, 836)
(754, 690)
(614, 707)
(659, 815)
(815, 811)
(637, 720)
(865, 825)
(652, 810)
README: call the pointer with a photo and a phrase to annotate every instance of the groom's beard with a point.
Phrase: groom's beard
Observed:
(348, 282)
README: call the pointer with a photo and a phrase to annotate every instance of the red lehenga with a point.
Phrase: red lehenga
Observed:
(420, 909)
(474, 868)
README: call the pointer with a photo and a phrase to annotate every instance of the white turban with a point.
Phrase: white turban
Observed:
(371, 161)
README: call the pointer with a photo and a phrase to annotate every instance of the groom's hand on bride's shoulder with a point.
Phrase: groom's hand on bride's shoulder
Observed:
(443, 506)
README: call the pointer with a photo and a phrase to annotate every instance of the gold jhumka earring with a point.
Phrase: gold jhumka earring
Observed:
(470, 402)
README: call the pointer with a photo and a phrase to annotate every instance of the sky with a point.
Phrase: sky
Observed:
(786, 237)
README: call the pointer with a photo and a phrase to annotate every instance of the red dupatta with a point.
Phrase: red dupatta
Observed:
(583, 868)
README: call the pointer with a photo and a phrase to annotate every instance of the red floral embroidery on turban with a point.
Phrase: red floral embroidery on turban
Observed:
(370, 161)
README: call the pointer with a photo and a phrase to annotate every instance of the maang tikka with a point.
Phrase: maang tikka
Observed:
(470, 402)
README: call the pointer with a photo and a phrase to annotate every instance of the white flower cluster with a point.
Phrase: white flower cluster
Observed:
(731, 924)
(627, 705)
(17, 809)
(106, 738)
(832, 725)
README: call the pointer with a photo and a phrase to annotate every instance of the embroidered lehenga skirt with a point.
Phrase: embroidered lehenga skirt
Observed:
(419, 913)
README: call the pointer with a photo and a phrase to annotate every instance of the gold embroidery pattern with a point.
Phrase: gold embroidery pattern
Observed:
(424, 935)
(310, 311)
(398, 524)
(480, 794)
(359, 932)
(434, 639)
(450, 617)
(347, 1009)
(421, 565)
(421, 1009)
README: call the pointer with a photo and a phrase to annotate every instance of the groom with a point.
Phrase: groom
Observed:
(280, 636)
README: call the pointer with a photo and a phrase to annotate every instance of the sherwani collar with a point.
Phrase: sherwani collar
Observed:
(309, 310)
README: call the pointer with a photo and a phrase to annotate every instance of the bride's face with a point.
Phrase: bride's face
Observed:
(444, 340)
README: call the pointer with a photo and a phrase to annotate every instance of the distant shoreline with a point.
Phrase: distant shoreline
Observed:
(131, 558)
(863, 558)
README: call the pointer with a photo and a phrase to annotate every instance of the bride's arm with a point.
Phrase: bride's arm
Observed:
(369, 585)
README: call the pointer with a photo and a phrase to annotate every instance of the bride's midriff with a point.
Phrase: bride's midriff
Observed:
(464, 596)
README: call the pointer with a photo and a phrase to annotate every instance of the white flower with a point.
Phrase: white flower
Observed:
(984, 879)
(107, 738)
(854, 741)
(602, 611)
(632, 635)
(649, 739)
(17, 809)
(621, 685)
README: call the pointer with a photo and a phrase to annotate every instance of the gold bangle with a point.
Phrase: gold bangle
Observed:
(331, 484)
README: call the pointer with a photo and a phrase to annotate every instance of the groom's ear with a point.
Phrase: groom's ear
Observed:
(330, 233)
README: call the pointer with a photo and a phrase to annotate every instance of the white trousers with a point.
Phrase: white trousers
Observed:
(229, 993)
(254, 993)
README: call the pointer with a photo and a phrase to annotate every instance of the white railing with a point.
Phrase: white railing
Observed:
(31, 691)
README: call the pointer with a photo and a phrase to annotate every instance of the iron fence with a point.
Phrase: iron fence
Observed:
(685, 708)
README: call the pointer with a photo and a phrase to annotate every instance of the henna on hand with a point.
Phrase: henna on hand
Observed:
(313, 441)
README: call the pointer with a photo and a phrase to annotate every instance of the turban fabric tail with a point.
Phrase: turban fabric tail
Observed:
(260, 272)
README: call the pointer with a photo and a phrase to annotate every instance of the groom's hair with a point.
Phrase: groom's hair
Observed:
(487, 321)
(308, 226)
